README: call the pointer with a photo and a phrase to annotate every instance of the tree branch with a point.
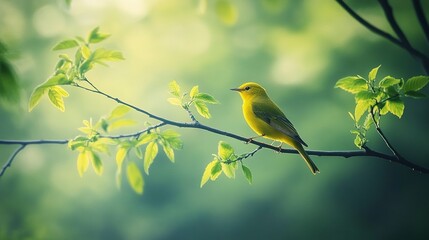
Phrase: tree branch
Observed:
(412, 51)
(197, 125)
(421, 17)
(388, 11)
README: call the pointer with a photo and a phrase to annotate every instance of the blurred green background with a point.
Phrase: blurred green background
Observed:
(296, 49)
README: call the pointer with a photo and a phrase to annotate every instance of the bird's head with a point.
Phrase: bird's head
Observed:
(250, 90)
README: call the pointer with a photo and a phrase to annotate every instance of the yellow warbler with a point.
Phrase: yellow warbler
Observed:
(267, 120)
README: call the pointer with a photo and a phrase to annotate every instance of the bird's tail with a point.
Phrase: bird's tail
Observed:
(307, 158)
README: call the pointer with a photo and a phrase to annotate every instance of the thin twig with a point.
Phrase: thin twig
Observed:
(421, 17)
(414, 52)
(388, 11)
(10, 160)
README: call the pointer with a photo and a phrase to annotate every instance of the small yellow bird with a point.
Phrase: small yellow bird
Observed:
(267, 120)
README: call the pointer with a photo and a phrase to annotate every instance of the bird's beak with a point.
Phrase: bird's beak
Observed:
(236, 89)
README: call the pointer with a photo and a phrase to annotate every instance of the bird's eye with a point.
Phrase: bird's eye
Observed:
(247, 88)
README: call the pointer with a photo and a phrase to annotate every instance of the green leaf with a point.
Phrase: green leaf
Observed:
(56, 99)
(415, 83)
(145, 138)
(95, 36)
(169, 151)
(100, 55)
(352, 84)
(120, 123)
(60, 90)
(35, 97)
(216, 170)
(207, 172)
(77, 142)
(368, 121)
(120, 155)
(247, 173)
(135, 178)
(194, 91)
(415, 94)
(175, 101)
(82, 162)
(365, 96)
(86, 52)
(396, 107)
(174, 88)
(97, 164)
(388, 81)
(228, 170)
(225, 150)
(149, 155)
(202, 109)
(361, 108)
(206, 98)
(119, 111)
(373, 73)
(358, 141)
(226, 12)
(66, 44)
(172, 138)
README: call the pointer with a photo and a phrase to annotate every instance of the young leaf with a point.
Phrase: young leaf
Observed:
(358, 141)
(208, 172)
(415, 94)
(168, 150)
(82, 162)
(119, 111)
(172, 138)
(86, 52)
(216, 170)
(373, 73)
(56, 99)
(175, 101)
(97, 164)
(95, 36)
(396, 107)
(224, 150)
(229, 170)
(149, 155)
(206, 98)
(202, 109)
(174, 88)
(415, 83)
(135, 178)
(247, 173)
(361, 108)
(70, 43)
(352, 84)
(60, 90)
(194, 91)
(120, 156)
(100, 55)
(388, 81)
(120, 123)
(145, 138)
(35, 97)
(365, 96)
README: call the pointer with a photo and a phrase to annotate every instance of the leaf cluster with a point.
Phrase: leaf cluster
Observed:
(376, 98)
(194, 97)
(71, 71)
(225, 161)
(169, 140)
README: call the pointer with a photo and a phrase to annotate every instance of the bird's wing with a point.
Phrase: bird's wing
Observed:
(272, 115)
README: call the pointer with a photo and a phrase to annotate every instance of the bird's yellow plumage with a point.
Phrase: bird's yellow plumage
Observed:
(267, 120)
